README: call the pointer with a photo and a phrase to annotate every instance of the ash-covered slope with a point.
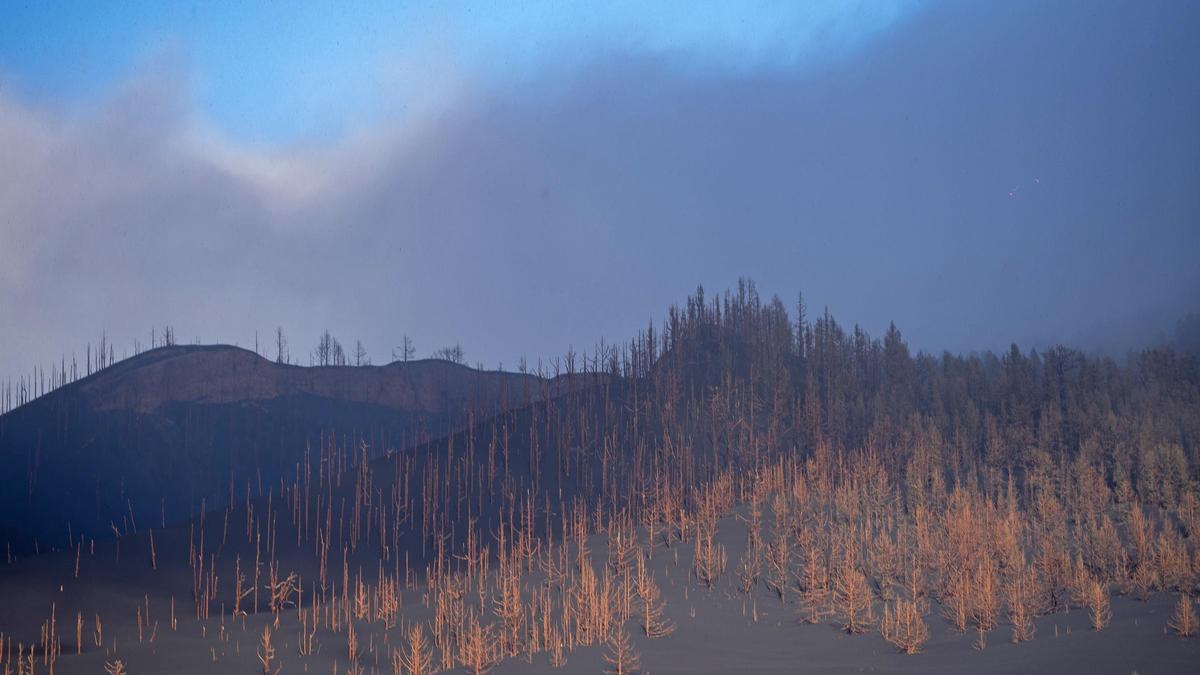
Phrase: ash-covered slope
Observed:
(148, 438)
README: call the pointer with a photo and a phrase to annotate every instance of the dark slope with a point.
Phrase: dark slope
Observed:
(149, 438)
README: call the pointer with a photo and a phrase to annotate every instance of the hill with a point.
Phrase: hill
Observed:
(155, 436)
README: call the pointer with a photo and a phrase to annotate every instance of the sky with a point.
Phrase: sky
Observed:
(533, 176)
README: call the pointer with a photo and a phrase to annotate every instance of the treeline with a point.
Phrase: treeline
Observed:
(741, 380)
(738, 384)
(1040, 417)
(16, 392)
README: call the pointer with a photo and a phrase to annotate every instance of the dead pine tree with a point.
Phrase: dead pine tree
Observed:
(853, 595)
(779, 551)
(620, 655)
(710, 559)
(477, 650)
(984, 602)
(281, 592)
(508, 609)
(416, 657)
(115, 668)
(1184, 620)
(1020, 591)
(308, 632)
(654, 623)
(353, 651)
(266, 652)
(956, 599)
(904, 626)
(813, 580)
(779, 558)
(747, 571)
(558, 656)
(622, 547)
(754, 523)
(1098, 604)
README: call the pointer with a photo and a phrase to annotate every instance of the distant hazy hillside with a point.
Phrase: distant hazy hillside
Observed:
(146, 439)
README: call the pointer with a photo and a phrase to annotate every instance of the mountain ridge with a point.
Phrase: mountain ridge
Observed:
(154, 437)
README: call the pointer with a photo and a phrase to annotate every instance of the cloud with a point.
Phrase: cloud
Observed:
(522, 222)
(278, 73)
(539, 36)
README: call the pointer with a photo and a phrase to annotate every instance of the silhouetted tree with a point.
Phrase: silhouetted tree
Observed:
(406, 350)
(329, 351)
(281, 353)
(453, 354)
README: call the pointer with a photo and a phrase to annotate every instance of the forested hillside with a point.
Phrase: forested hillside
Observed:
(739, 462)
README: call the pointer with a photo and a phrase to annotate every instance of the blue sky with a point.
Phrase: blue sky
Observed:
(275, 72)
(523, 177)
